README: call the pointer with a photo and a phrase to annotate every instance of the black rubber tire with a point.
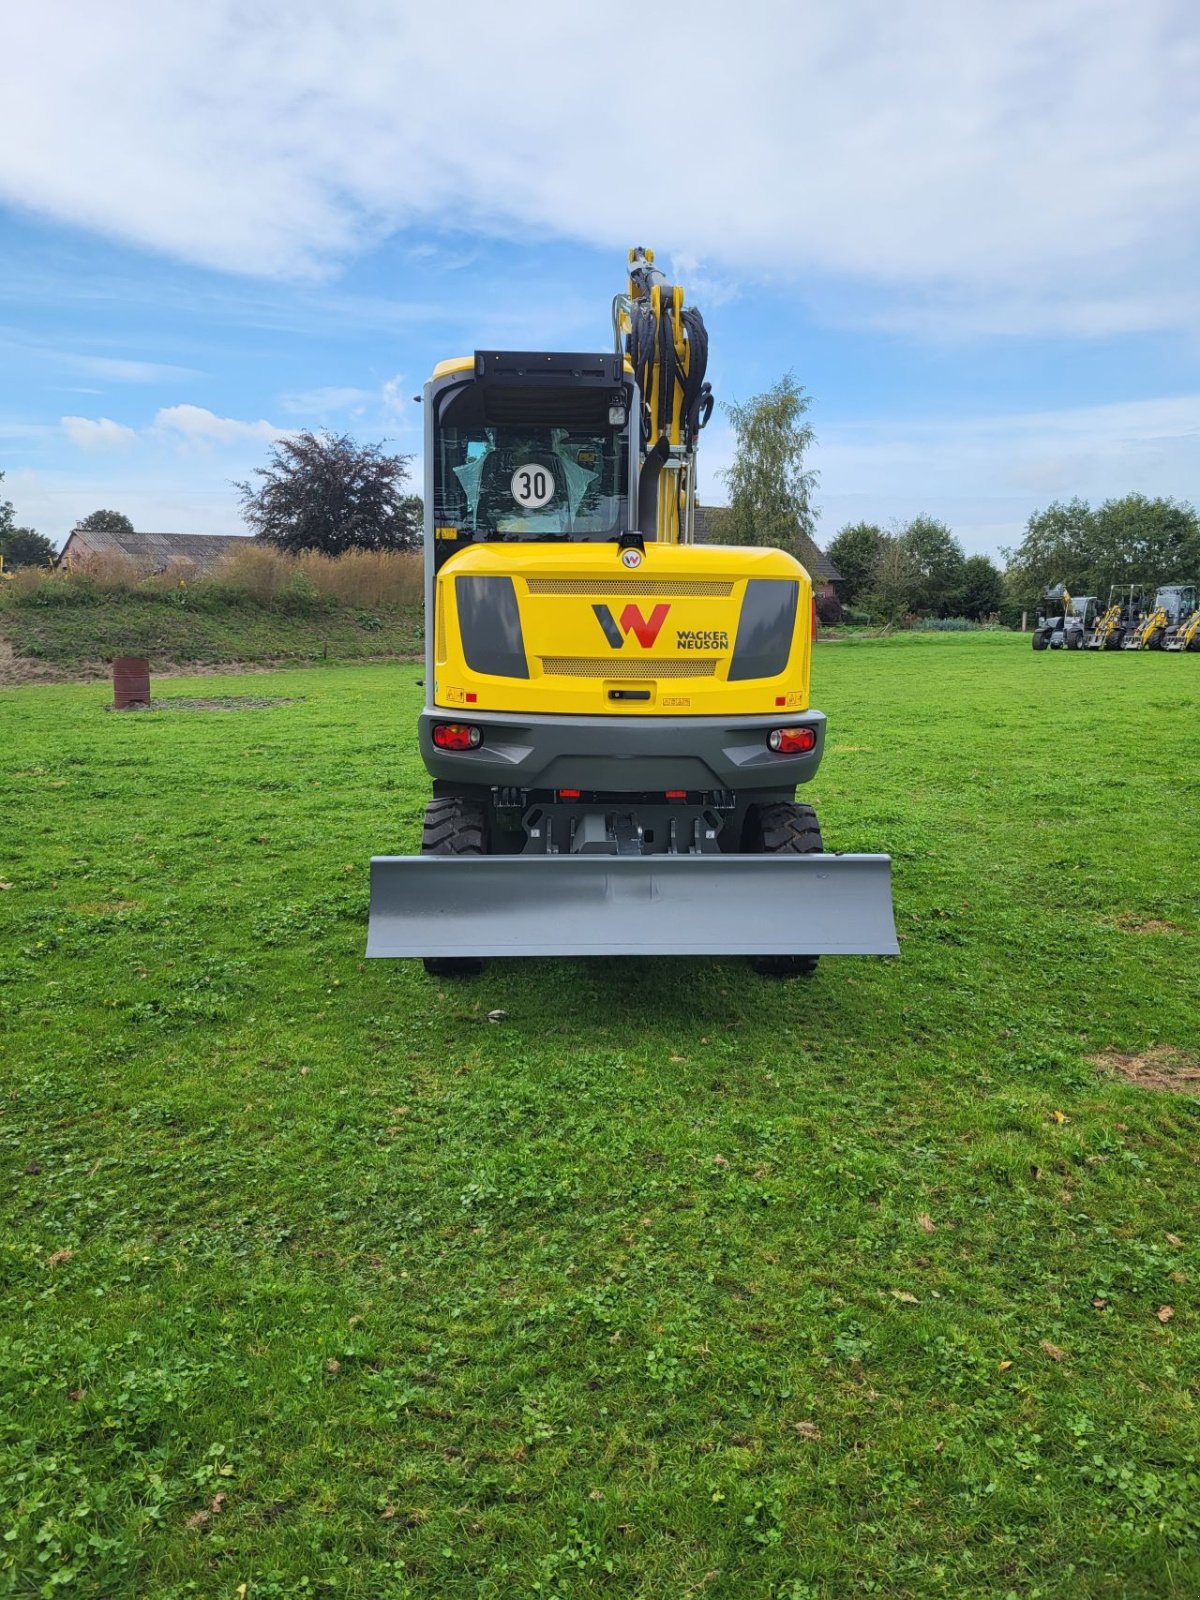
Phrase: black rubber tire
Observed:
(1114, 640)
(1041, 640)
(783, 828)
(454, 827)
(1073, 640)
(1156, 638)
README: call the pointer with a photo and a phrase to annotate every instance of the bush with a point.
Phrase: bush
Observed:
(947, 625)
(366, 577)
(255, 571)
(829, 610)
(38, 586)
(257, 574)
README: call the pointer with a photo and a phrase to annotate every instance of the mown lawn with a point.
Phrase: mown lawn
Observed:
(673, 1282)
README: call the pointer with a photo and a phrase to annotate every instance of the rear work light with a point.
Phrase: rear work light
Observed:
(456, 736)
(792, 741)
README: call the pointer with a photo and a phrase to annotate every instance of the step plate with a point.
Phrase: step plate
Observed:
(592, 905)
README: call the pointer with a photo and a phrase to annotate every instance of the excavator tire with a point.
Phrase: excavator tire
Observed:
(1041, 639)
(454, 827)
(1115, 639)
(1155, 639)
(774, 830)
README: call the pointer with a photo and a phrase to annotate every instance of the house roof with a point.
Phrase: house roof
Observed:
(205, 549)
(709, 520)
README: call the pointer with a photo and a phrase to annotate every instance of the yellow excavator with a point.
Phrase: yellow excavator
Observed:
(616, 719)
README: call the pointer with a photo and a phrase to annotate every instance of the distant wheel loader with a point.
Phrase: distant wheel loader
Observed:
(616, 720)
(1167, 620)
(1183, 603)
(1064, 623)
(1122, 613)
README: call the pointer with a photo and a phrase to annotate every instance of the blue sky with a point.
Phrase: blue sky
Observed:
(971, 232)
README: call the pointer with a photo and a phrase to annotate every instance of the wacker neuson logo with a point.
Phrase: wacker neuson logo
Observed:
(701, 639)
(644, 629)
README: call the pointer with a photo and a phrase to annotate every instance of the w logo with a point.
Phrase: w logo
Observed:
(644, 629)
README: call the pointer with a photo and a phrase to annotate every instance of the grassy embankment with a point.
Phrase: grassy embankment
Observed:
(674, 1281)
(258, 607)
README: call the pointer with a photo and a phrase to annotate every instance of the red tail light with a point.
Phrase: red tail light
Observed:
(456, 736)
(674, 794)
(568, 794)
(792, 741)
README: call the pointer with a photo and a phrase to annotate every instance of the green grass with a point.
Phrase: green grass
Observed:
(71, 637)
(370, 1297)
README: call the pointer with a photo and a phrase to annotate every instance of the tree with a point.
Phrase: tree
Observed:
(1143, 541)
(1130, 540)
(325, 492)
(855, 553)
(937, 560)
(981, 588)
(1057, 546)
(770, 489)
(21, 547)
(103, 522)
(893, 582)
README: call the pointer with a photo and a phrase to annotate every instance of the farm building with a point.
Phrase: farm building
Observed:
(155, 551)
(820, 569)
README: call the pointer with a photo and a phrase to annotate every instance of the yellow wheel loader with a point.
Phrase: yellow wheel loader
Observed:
(1181, 604)
(616, 720)
(1119, 617)
(1188, 635)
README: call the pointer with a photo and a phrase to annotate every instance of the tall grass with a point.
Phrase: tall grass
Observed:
(359, 578)
(257, 574)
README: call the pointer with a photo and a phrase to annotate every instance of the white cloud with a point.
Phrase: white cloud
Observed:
(390, 398)
(196, 425)
(99, 433)
(125, 371)
(1016, 161)
(181, 425)
(329, 398)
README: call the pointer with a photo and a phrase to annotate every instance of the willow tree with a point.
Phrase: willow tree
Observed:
(770, 488)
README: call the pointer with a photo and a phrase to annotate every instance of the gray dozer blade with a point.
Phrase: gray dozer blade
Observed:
(601, 905)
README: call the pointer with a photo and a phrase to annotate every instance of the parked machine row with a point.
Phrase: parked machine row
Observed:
(1129, 621)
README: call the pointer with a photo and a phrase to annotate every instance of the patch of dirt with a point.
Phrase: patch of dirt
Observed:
(17, 670)
(241, 702)
(1132, 922)
(1161, 1068)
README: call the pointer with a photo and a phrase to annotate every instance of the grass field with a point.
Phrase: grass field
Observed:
(673, 1282)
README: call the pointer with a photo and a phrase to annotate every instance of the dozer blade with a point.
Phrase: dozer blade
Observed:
(602, 905)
